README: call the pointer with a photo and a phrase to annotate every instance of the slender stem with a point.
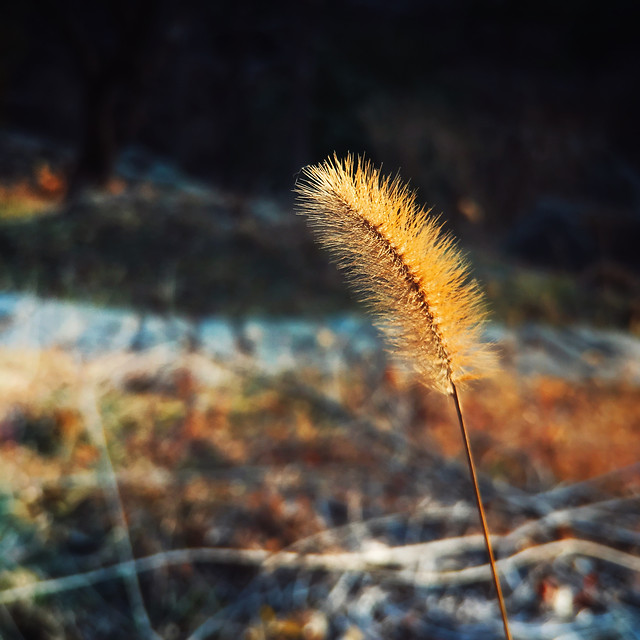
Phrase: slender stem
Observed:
(483, 519)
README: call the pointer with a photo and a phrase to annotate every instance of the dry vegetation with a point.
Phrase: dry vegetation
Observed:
(289, 507)
(546, 429)
(209, 456)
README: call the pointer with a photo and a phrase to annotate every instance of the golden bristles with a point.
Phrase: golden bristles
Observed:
(410, 273)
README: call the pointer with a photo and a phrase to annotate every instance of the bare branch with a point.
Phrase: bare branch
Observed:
(376, 561)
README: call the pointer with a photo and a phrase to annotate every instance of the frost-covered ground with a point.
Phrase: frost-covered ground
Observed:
(277, 345)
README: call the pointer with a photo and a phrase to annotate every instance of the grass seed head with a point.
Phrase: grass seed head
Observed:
(408, 271)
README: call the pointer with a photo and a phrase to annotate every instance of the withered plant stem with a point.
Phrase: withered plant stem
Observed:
(411, 274)
(483, 519)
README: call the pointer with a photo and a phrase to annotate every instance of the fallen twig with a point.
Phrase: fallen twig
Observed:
(376, 561)
(109, 484)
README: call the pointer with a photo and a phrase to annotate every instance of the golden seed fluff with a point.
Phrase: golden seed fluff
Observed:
(402, 265)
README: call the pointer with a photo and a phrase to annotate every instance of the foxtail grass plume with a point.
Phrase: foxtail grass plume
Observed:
(413, 277)
(409, 272)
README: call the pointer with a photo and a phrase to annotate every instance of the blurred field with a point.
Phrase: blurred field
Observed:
(180, 247)
(191, 464)
(208, 455)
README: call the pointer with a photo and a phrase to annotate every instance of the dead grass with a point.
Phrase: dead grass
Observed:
(242, 461)
(543, 430)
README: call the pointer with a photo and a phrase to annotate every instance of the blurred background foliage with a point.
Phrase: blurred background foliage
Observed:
(148, 149)
(518, 123)
(472, 99)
